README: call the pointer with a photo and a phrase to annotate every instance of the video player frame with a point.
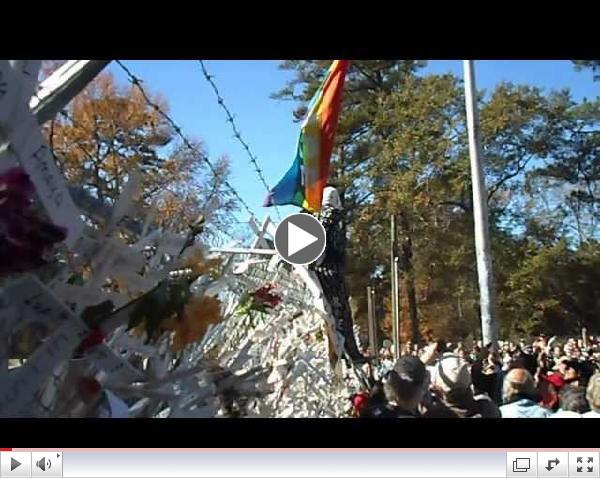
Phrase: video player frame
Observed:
(440, 272)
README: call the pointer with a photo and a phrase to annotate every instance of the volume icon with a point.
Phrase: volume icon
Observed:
(43, 463)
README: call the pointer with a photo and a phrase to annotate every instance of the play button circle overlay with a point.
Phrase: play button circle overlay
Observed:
(300, 239)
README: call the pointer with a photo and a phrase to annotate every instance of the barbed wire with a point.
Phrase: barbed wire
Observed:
(65, 114)
(134, 80)
(236, 131)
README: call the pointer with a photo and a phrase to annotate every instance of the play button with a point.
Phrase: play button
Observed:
(300, 239)
(15, 464)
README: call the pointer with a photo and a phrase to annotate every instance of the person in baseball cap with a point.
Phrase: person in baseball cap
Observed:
(405, 386)
(452, 380)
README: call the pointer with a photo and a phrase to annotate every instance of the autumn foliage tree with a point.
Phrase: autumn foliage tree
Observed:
(109, 130)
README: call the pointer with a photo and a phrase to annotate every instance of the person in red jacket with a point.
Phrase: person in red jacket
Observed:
(549, 387)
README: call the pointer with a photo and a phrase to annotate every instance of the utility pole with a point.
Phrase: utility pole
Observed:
(487, 299)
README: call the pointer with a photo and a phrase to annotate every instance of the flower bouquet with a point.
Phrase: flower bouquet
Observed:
(261, 301)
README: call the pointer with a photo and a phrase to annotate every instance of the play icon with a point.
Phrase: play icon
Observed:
(15, 464)
(300, 239)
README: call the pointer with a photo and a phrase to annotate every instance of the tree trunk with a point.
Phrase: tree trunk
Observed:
(412, 308)
(409, 278)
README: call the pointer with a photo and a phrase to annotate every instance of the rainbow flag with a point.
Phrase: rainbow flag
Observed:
(304, 182)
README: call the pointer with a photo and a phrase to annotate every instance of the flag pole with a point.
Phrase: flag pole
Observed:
(487, 298)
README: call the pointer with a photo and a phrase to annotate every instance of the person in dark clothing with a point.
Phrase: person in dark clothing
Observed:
(525, 359)
(441, 346)
(492, 376)
(578, 373)
(479, 384)
(330, 269)
(403, 390)
(486, 374)
(433, 406)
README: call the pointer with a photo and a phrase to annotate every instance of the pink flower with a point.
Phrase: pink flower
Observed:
(25, 237)
(16, 189)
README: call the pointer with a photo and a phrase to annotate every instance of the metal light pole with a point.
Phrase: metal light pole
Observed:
(487, 298)
(394, 281)
(373, 343)
(398, 301)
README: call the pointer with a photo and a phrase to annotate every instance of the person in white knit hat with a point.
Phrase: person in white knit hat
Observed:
(451, 379)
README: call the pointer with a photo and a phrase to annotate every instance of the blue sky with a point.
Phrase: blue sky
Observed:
(266, 124)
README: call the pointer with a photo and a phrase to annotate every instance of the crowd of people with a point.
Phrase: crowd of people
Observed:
(545, 378)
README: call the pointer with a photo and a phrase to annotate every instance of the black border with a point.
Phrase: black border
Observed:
(296, 433)
(269, 50)
(358, 30)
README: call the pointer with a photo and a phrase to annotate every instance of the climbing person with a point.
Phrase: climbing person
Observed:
(330, 269)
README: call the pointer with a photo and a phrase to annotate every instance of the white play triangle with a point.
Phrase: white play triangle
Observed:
(298, 239)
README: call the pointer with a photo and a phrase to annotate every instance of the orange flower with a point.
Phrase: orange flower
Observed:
(196, 261)
(198, 314)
